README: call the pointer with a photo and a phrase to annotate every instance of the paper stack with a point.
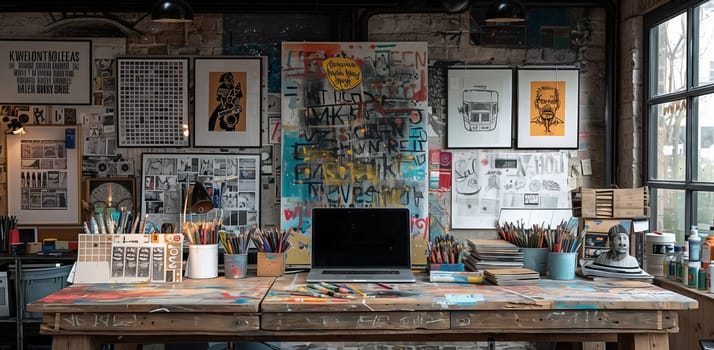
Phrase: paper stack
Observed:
(512, 277)
(493, 254)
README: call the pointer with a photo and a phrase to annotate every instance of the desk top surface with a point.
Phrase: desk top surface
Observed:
(268, 294)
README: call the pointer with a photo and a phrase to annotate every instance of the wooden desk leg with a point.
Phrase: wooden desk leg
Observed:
(642, 341)
(74, 342)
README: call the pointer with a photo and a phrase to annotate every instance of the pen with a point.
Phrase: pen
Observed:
(356, 290)
(384, 285)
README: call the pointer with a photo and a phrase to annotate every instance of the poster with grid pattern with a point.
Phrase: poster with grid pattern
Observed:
(152, 102)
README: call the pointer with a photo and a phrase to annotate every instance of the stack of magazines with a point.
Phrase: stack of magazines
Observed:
(493, 254)
(512, 277)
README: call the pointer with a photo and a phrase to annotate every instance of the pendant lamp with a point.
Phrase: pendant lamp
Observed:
(172, 11)
(505, 11)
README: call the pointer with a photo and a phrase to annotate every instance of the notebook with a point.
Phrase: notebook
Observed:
(361, 245)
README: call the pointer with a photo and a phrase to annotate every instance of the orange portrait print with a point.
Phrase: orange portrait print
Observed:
(227, 107)
(547, 109)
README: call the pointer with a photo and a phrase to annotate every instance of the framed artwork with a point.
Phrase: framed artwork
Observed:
(43, 171)
(152, 102)
(548, 105)
(229, 101)
(480, 107)
(231, 180)
(110, 193)
(52, 72)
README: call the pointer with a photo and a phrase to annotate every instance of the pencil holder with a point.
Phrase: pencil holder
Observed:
(271, 264)
(235, 265)
(535, 259)
(561, 266)
(202, 261)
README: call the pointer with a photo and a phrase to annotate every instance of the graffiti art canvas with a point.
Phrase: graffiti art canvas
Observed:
(229, 101)
(548, 108)
(353, 134)
(480, 107)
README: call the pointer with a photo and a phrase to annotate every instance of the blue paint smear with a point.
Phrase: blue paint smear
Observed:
(241, 301)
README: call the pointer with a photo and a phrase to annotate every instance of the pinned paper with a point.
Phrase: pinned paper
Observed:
(342, 73)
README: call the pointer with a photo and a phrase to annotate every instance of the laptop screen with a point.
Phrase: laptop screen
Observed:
(361, 237)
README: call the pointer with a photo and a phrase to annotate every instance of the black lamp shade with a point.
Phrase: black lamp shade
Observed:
(201, 202)
(172, 11)
(505, 11)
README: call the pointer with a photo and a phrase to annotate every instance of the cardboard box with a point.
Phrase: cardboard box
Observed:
(610, 202)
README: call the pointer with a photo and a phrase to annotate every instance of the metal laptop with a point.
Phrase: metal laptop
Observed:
(361, 245)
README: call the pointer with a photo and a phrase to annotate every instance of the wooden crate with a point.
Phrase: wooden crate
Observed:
(610, 202)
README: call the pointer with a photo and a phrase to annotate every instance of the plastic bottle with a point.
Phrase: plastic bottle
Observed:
(695, 244)
(702, 279)
(693, 273)
(685, 272)
(707, 245)
(668, 264)
(675, 263)
(710, 275)
(680, 262)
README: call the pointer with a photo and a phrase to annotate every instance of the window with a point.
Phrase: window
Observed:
(680, 116)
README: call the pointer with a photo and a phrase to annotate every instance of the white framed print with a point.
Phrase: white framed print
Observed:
(229, 94)
(548, 102)
(480, 107)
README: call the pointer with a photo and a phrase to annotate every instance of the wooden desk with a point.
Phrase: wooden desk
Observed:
(640, 315)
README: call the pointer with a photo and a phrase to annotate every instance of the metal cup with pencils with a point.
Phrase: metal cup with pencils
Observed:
(235, 259)
(272, 245)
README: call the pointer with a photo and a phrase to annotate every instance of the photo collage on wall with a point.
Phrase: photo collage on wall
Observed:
(43, 175)
(231, 181)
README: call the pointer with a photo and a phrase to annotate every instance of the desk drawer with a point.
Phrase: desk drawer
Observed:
(280, 321)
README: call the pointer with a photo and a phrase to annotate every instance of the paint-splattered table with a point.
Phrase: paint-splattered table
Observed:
(637, 315)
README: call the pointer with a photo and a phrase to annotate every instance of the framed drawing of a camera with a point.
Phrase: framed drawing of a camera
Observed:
(229, 106)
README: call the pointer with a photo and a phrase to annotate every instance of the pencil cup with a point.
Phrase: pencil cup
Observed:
(202, 261)
(535, 259)
(235, 265)
(271, 264)
(561, 266)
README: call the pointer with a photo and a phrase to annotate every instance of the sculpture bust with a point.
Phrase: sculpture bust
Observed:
(619, 253)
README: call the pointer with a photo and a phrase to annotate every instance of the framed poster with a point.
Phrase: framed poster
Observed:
(113, 193)
(152, 102)
(52, 72)
(229, 97)
(548, 104)
(231, 180)
(44, 175)
(480, 112)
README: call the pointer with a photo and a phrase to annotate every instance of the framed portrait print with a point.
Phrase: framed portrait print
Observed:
(480, 107)
(43, 171)
(110, 193)
(548, 105)
(229, 101)
(51, 72)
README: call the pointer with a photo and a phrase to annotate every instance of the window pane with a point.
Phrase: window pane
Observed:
(704, 62)
(703, 106)
(705, 209)
(670, 212)
(669, 46)
(669, 159)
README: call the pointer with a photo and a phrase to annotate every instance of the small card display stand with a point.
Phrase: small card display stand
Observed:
(129, 258)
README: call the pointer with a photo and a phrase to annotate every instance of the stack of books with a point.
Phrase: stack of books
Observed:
(492, 254)
(512, 277)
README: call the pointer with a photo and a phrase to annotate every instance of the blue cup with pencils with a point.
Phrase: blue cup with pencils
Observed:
(235, 258)
(202, 250)
(272, 245)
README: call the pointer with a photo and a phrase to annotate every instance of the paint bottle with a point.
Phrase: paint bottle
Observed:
(695, 244)
(676, 262)
(710, 275)
(685, 271)
(702, 279)
(693, 274)
(680, 261)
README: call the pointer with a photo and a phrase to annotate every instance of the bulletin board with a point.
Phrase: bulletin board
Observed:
(353, 134)
(232, 180)
(129, 258)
